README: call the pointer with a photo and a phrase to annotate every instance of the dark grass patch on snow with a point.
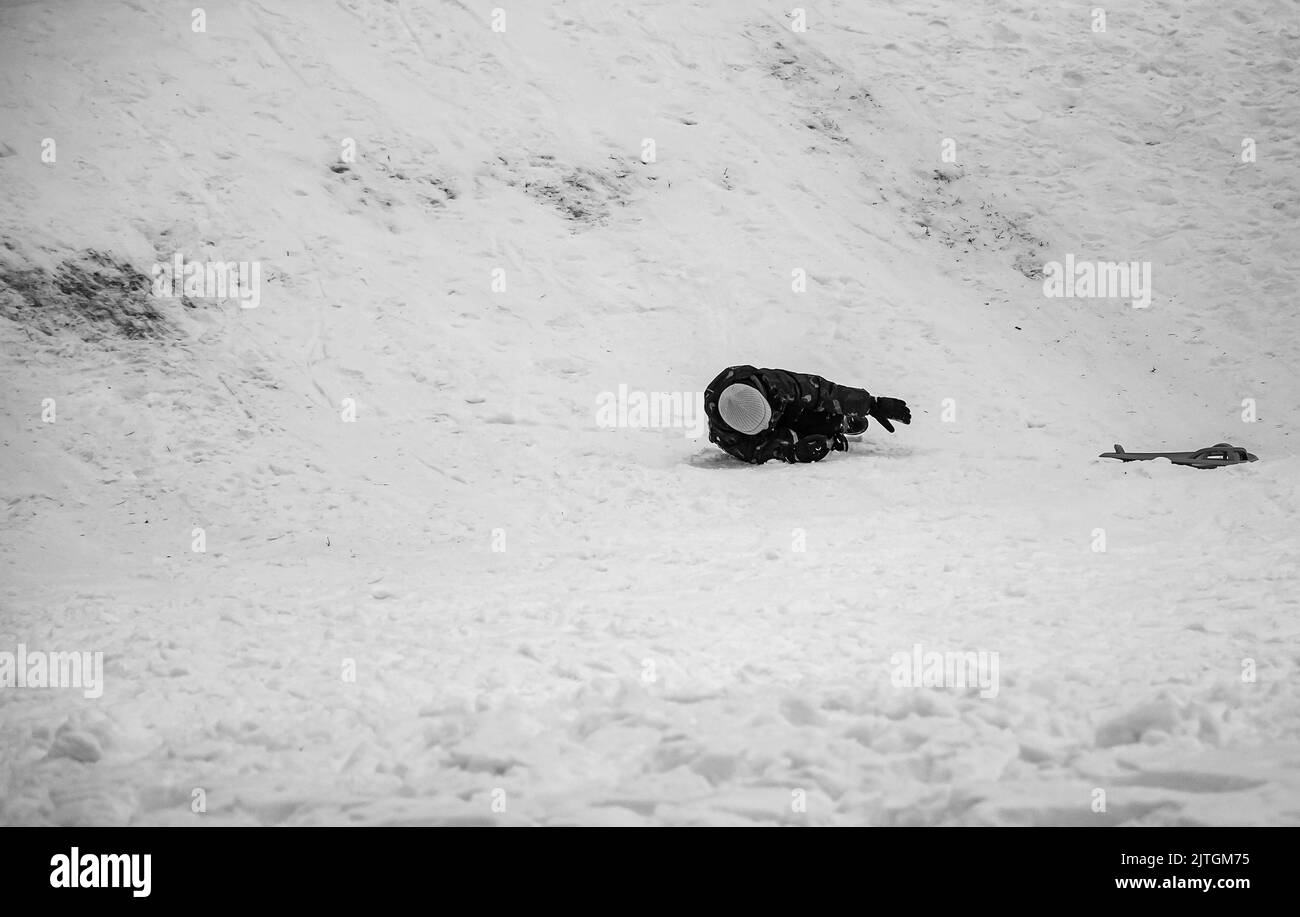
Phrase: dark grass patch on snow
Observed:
(581, 194)
(829, 95)
(376, 181)
(91, 295)
(952, 220)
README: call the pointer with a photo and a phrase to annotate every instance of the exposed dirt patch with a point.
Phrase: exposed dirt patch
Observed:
(375, 181)
(581, 194)
(943, 214)
(91, 295)
(828, 94)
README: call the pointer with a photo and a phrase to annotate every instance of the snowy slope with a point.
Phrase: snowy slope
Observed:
(651, 646)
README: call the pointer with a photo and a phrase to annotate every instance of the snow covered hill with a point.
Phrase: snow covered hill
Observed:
(363, 554)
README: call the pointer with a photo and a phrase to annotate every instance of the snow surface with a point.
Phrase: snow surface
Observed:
(651, 647)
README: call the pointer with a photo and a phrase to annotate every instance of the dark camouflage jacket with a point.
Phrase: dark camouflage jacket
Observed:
(804, 408)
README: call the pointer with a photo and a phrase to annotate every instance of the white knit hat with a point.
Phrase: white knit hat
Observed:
(744, 408)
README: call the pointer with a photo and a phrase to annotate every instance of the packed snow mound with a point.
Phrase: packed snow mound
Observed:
(355, 549)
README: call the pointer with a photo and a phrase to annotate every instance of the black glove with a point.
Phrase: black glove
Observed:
(855, 424)
(839, 443)
(812, 448)
(883, 410)
(778, 444)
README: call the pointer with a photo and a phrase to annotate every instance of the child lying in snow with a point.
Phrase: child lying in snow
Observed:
(762, 414)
